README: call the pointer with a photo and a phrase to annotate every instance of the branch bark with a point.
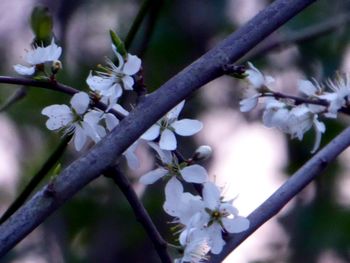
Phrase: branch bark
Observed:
(103, 155)
(298, 37)
(140, 212)
(287, 191)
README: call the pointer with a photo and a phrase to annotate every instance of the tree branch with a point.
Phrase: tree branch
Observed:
(140, 212)
(37, 178)
(95, 162)
(287, 191)
(56, 86)
(298, 37)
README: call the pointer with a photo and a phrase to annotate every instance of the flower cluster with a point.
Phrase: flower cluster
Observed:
(81, 118)
(202, 219)
(296, 115)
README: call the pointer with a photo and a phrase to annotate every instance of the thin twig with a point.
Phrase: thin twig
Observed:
(17, 95)
(149, 27)
(307, 34)
(140, 212)
(102, 156)
(287, 191)
(56, 86)
(137, 23)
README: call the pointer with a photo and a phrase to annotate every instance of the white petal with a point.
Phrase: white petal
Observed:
(211, 195)
(59, 116)
(248, 104)
(194, 174)
(152, 176)
(120, 109)
(111, 121)
(93, 131)
(80, 102)
(131, 158)
(53, 51)
(128, 82)
(173, 193)
(229, 208)
(132, 65)
(79, 138)
(174, 113)
(235, 225)
(23, 70)
(319, 129)
(151, 133)
(165, 156)
(93, 117)
(215, 238)
(167, 140)
(307, 87)
(98, 83)
(187, 127)
(255, 77)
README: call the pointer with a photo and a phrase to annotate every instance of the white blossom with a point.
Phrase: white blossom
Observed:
(110, 82)
(39, 55)
(171, 167)
(258, 83)
(75, 119)
(169, 125)
(295, 122)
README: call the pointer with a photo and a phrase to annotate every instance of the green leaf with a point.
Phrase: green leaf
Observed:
(118, 43)
(41, 23)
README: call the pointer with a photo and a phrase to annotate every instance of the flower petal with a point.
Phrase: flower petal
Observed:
(152, 176)
(187, 127)
(59, 116)
(235, 225)
(248, 104)
(23, 70)
(79, 138)
(111, 121)
(211, 195)
(194, 174)
(131, 158)
(80, 102)
(128, 82)
(151, 133)
(307, 87)
(132, 65)
(174, 113)
(165, 156)
(173, 193)
(167, 140)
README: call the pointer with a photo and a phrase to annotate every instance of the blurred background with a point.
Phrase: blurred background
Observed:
(249, 162)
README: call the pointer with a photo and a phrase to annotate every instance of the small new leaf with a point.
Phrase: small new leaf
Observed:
(41, 22)
(119, 44)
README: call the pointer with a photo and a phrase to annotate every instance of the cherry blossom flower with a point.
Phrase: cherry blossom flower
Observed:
(171, 167)
(295, 122)
(204, 217)
(169, 125)
(39, 55)
(194, 243)
(75, 119)
(258, 83)
(219, 216)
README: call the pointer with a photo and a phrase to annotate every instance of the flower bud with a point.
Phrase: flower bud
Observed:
(56, 66)
(202, 153)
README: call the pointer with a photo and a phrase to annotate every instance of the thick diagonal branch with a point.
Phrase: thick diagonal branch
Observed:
(153, 107)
